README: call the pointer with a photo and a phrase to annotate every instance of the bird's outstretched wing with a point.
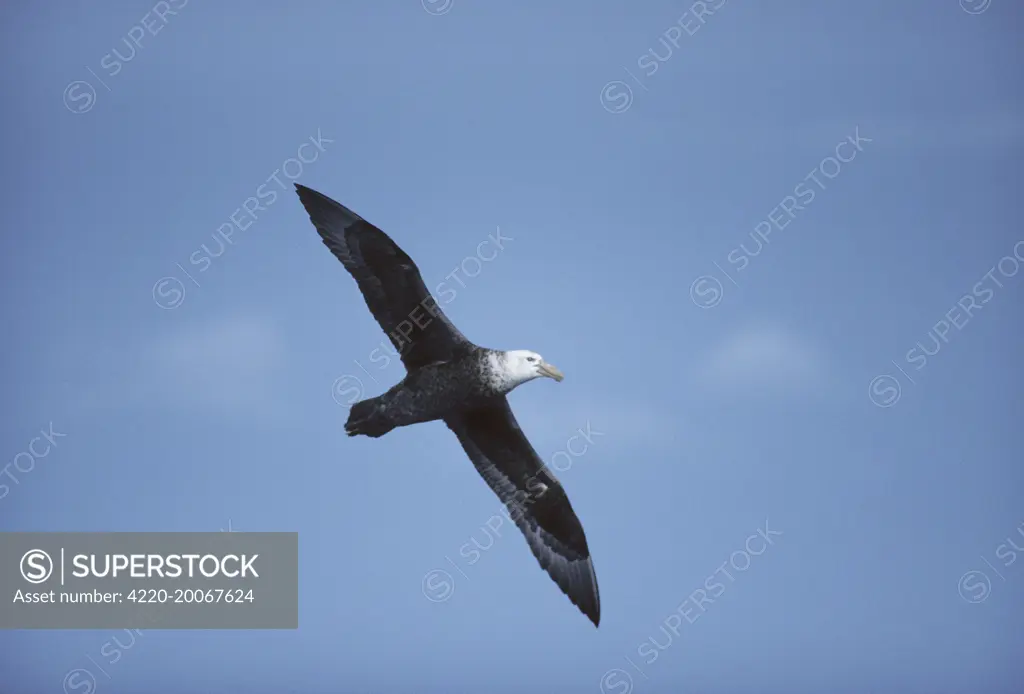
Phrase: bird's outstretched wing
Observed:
(533, 496)
(390, 283)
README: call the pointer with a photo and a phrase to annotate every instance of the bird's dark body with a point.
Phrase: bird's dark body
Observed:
(452, 379)
(426, 394)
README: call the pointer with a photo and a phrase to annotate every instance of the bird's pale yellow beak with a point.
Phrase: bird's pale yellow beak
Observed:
(550, 371)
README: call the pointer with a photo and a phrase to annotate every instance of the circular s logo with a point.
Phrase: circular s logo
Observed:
(974, 586)
(168, 292)
(975, 6)
(707, 291)
(79, 681)
(79, 97)
(438, 585)
(616, 96)
(347, 390)
(36, 566)
(884, 391)
(437, 7)
(616, 681)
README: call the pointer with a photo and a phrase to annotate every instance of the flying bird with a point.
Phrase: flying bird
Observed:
(451, 379)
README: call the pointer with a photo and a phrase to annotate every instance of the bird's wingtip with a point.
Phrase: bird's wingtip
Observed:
(317, 204)
(592, 611)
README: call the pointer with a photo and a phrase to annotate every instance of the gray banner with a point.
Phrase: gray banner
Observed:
(149, 580)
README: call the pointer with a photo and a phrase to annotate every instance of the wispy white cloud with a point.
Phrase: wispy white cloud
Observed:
(763, 359)
(998, 130)
(972, 131)
(226, 367)
(621, 423)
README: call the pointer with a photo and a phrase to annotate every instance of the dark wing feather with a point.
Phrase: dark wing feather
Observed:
(390, 283)
(535, 499)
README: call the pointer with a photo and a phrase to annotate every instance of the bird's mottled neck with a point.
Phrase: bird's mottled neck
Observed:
(496, 372)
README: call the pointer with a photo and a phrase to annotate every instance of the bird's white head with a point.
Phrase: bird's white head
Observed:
(522, 365)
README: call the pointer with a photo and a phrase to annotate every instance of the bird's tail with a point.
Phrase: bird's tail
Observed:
(368, 417)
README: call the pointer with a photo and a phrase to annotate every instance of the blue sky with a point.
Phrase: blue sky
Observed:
(854, 385)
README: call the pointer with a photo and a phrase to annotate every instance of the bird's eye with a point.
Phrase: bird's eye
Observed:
(530, 359)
